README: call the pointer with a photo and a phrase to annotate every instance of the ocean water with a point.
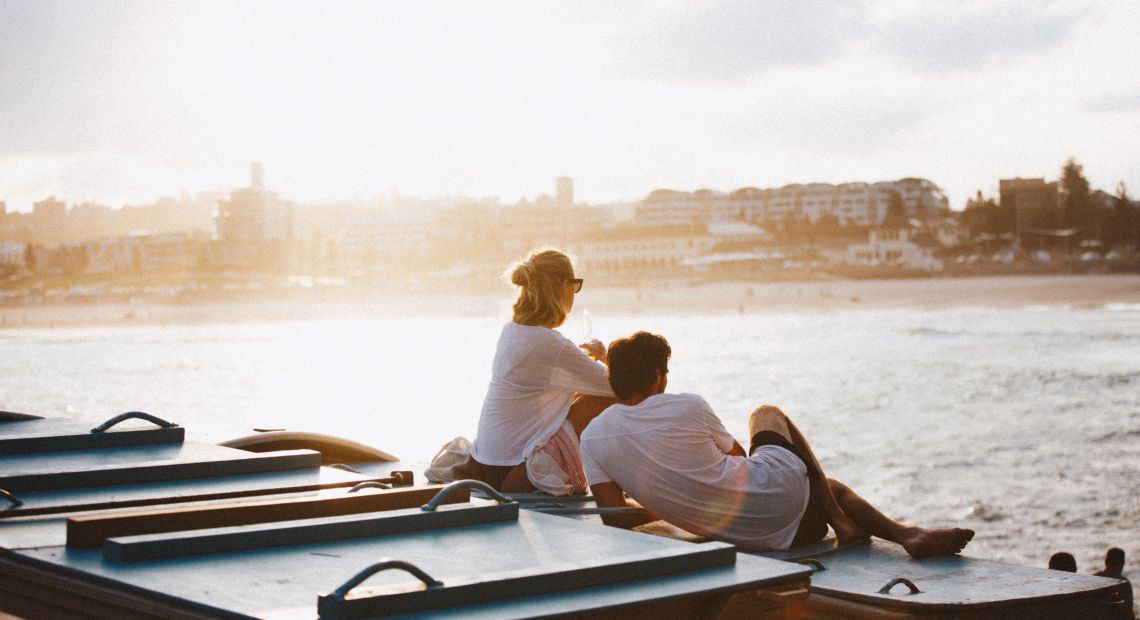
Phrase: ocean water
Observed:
(1021, 423)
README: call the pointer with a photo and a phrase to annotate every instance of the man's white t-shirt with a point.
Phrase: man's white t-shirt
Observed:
(535, 375)
(670, 453)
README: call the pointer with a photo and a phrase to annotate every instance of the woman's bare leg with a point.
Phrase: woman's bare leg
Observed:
(517, 481)
(585, 409)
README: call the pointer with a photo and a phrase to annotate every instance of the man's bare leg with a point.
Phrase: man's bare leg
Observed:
(918, 541)
(770, 418)
(851, 516)
(767, 417)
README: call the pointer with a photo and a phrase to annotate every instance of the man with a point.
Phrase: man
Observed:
(1114, 567)
(1113, 564)
(1063, 560)
(673, 455)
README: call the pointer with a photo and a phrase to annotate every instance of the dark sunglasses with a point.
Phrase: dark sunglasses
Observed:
(575, 284)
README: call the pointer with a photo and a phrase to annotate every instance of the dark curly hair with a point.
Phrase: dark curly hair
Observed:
(634, 360)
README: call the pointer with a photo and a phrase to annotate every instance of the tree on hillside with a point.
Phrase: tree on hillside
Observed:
(1123, 221)
(1076, 203)
(29, 258)
(895, 217)
(983, 216)
(827, 226)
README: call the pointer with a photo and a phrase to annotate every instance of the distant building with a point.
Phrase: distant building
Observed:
(1033, 203)
(892, 247)
(948, 232)
(372, 241)
(141, 252)
(564, 191)
(638, 249)
(525, 226)
(666, 207)
(12, 254)
(851, 204)
(254, 227)
(257, 176)
(49, 221)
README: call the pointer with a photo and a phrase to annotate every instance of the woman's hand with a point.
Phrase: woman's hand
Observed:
(595, 349)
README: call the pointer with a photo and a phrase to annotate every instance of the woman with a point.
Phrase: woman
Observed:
(544, 389)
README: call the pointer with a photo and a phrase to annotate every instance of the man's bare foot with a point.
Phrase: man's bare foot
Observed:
(922, 542)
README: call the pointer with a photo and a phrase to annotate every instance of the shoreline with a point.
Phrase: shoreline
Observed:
(664, 297)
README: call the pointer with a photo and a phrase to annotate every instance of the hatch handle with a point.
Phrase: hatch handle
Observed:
(16, 502)
(452, 488)
(139, 415)
(384, 564)
(371, 484)
(896, 581)
(815, 564)
(394, 479)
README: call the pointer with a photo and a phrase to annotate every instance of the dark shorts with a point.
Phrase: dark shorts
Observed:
(813, 525)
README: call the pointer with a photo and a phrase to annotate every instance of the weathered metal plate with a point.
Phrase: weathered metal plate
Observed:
(946, 583)
(536, 581)
(178, 491)
(138, 464)
(285, 582)
(32, 532)
(92, 530)
(57, 434)
(149, 547)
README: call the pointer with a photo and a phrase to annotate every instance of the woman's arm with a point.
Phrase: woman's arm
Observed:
(574, 370)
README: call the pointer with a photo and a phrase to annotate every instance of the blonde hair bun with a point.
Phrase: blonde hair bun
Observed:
(522, 274)
(541, 279)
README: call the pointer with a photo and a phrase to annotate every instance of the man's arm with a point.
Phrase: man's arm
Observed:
(610, 495)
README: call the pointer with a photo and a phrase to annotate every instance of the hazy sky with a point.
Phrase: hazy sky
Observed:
(123, 102)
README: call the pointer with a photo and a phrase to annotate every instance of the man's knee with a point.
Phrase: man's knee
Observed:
(838, 489)
(768, 418)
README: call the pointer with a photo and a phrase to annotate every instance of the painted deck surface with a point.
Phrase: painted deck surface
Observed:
(178, 491)
(949, 582)
(88, 468)
(285, 582)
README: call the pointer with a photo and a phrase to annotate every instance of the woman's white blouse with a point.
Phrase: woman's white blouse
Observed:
(535, 375)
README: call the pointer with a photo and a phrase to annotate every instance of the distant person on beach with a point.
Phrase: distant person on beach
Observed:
(672, 454)
(1113, 564)
(1114, 568)
(544, 388)
(1063, 561)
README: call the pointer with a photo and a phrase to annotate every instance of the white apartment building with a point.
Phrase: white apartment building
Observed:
(143, 252)
(852, 204)
(11, 253)
(639, 248)
(892, 247)
(372, 239)
(665, 207)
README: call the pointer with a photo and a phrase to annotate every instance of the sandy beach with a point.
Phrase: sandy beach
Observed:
(998, 291)
(662, 297)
